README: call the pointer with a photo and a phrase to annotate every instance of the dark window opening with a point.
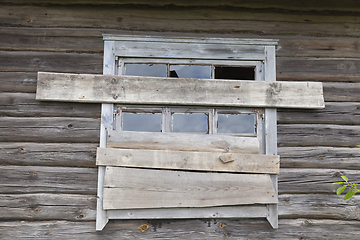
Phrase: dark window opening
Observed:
(236, 73)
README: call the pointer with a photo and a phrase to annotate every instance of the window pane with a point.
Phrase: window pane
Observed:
(146, 122)
(149, 70)
(237, 73)
(190, 71)
(190, 122)
(236, 123)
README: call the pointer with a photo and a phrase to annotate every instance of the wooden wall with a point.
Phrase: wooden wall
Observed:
(47, 150)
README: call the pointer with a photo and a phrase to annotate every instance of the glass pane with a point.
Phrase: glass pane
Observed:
(236, 123)
(149, 70)
(237, 73)
(190, 122)
(190, 71)
(146, 122)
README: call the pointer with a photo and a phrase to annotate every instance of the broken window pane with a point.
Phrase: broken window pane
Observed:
(190, 122)
(149, 70)
(145, 122)
(236, 123)
(190, 71)
(237, 73)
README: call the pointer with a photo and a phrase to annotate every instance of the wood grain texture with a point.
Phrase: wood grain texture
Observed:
(347, 113)
(178, 91)
(34, 179)
(129, 188)
(320, 157)
(172, 18)
(299, 135)
(18, 82)
(48, 154)
(181, 160)
(49, 129)
(342, 92)
(289, 229)
(182, 142)
(41, 206)
(25, 105)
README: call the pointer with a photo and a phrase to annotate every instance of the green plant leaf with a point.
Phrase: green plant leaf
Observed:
(349, 194)
(340, 190)
(337, 182)
(358, 145)
(345, 178)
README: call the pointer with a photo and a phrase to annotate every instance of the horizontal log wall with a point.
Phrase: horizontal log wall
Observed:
(47, 150)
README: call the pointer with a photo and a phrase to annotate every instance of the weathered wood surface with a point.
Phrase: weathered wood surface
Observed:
(182, 142)
(34, 179)
(170, 91)
(297, 135)
(25, 105)
(40, 206)
(22, 61)
(289, 229)
(182, 160)
(48, 129)
(48, 154)
(130, 188)
(320, 157)
(347, 113)
(18, 82)
(342, 92)
(171, 18)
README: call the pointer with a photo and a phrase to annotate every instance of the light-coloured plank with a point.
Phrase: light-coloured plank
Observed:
(182, 142)
(128, 188)
(177, 91)
(181, 160)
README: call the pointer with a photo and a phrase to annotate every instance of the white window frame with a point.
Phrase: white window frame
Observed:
(233, 52)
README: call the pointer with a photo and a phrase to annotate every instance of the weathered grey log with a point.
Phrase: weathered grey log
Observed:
(177, 91)
(47, 129)
(182, 160)
(34, 179)
(289, 229)
(347, 113)
(25, 105)
(320, 157)
(130, 188)
(41, 206)
(49, 61)
(18, 82)
(299, 135)
(182, 142)
(48, 154)
(342, 92)
(220, 20)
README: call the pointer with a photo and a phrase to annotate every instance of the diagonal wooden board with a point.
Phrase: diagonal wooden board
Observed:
(181, 142)
(131, 188)
(185, 160)
(177, 91)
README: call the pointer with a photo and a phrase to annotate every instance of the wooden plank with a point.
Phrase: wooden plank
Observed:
(170, 91)
(200, 161)
(22, 61)
(343, 113)
(300, 135)
(320, 157)
(190, 229)
(342, 92)
(48, 154)
(173, 19)
(25, 105)
(49, 129)
(18, 82)
(123, 189)
(41, 206)
(34, 179)
(182, 142)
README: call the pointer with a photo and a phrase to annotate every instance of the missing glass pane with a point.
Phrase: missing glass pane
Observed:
(237, 73)
(190, 122)
(145, 122)
(236, 123)
(190, 71)
(150, 70)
